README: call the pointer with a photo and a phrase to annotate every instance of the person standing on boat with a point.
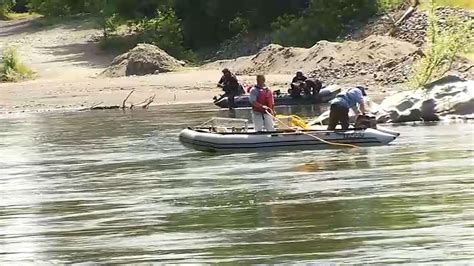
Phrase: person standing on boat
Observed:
(350, 99)
(230, 85)
(261, 99)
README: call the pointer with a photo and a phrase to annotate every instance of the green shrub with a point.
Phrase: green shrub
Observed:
(389, 4)
(443, 46)
(10, 67)
(5, 7)
(164, 31)
(323, 20)
(54, 8)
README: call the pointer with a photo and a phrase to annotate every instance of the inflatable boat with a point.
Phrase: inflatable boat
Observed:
(232, 139)
(325, 95)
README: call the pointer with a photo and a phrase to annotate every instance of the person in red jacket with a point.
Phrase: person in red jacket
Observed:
(262, 102)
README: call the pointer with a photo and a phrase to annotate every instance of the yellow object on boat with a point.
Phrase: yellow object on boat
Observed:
(291, 120)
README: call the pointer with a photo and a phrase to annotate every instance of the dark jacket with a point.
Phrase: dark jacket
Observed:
(231, 84)
(299, 79)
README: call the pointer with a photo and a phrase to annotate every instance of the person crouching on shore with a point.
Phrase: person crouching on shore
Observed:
(262, 102)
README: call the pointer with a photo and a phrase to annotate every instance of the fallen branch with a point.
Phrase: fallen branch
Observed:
(405, 16)
(124, 101)
(145, 104)
(150, 100)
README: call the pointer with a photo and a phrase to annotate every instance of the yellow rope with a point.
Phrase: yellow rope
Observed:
(315, 137)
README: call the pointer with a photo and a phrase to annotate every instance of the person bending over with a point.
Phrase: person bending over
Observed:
(350, 99)
(261, 99)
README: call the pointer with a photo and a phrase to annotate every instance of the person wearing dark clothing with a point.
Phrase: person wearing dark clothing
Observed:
(230, 85)
(299, 77)
(312, 87)
(297, 84)
(350, 99)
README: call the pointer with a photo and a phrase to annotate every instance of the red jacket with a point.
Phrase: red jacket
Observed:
(264, 97)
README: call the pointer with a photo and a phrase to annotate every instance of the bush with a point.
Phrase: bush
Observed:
(443, 46)
(165, 32)
(323, 20)
(54, 8)
(384, 5)
(10, 67)
(5, 7)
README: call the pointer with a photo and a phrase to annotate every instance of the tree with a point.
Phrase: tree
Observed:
(323, 20)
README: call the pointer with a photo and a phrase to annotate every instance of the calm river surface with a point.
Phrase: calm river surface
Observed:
(114, 187)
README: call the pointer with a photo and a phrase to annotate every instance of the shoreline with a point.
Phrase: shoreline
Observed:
(185, 87)
(192, 86)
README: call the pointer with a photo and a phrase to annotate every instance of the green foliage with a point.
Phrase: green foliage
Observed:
(323, 20)
(466, 4)
(164, 31)
(208, 22)
(443, 45)
(5, 7)
(389, 4)
(10, 67)
(239, 25)
(65, 7)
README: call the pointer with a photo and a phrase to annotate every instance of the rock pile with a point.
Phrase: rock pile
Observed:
(413, 29)
(374, 60)
(142, 60)
(242, 45)
(448, 96)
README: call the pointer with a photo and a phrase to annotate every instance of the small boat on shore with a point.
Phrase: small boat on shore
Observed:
(244, 139)
(325, 95)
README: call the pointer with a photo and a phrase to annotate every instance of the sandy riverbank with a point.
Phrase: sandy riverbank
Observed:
(191, 86)
(67, 65)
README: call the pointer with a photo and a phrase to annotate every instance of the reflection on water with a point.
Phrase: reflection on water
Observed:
(117, 187)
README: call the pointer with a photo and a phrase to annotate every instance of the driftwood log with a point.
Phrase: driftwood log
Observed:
(144, 104)
(412, 8)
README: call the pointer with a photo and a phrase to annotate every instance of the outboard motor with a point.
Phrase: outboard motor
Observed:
(365, 121)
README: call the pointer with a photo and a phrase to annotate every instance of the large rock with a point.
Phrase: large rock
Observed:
(447, 96)
(142, 60)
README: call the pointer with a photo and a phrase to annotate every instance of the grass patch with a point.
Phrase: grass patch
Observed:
(466, 4)
(26, 15)
(11, 69)
(82, 21)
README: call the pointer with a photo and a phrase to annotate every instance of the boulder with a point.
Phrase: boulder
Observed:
(449, 95)
(428, 110)
(409, 116)
(444, 80)
(142, 60)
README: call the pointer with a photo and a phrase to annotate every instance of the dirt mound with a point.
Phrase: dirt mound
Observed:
(376, 59)
(142, 60)
(413, 29)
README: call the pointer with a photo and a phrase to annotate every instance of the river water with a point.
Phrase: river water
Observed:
(115, 187)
